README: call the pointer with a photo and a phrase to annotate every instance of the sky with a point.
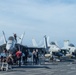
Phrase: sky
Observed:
(54, 18)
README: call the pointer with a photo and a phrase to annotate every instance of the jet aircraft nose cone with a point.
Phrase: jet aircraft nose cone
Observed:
(8, 47)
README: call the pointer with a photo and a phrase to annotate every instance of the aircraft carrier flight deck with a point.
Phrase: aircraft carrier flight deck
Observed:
(52, 68)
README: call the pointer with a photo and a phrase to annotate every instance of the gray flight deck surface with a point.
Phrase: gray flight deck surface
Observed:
(52, 68)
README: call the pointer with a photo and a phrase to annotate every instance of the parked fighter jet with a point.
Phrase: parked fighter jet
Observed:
(50, 48)
(68, 49)
(13, 44)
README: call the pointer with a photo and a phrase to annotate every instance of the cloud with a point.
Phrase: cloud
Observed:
(52, 17)
(34, 11)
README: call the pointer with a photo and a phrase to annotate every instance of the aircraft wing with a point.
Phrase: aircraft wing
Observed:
(40, 49)
(23, 48)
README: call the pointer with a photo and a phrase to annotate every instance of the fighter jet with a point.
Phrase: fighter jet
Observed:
(11, 44)
(50, 48)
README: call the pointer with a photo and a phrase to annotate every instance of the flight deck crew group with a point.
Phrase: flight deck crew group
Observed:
(19, 56)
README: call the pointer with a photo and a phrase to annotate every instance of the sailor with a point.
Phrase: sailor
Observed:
(23, 58)
(19, 54)
(15, 36)
(37, 56)
(26, 55)
(3, 55)
(10, 61)
(34, 57)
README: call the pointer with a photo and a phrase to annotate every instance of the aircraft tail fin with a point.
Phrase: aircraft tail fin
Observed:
(45, 42)
(48, 41)
(34, 43)
(4, 37)
(56, 43)
(21, 38)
